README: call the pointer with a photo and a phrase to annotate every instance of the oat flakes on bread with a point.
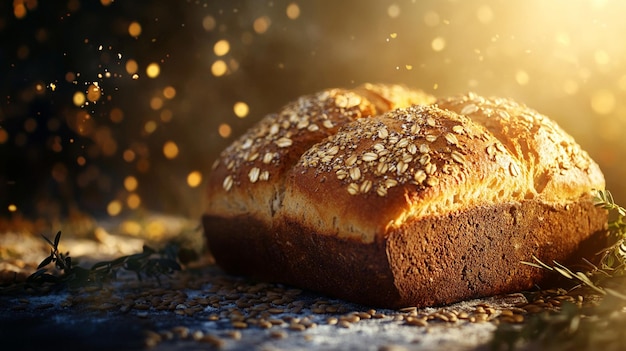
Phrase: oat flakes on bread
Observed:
(389, 197)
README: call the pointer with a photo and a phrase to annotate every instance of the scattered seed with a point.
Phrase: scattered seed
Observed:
(283, 142)
(264, 176)
(390, 183)
(469, 109)
(351, 160)
(353, 188)
(416, 322)
(458, 157)
(297, 327)
(451, 138)
(228, 183)
(341, 174)
(253, 175)
(240, 325)
(344, 324)
(152, 338)
(431, 138)
(365, 186)
(369, 156)
(278, 334)
(381, 191)
(430, 181)
(181, 331)
(430, 168)
(383, 133)
(213, 340)
(197, 335)
(401, 167)
(355, 173)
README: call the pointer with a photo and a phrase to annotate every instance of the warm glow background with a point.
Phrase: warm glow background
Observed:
(110, 107)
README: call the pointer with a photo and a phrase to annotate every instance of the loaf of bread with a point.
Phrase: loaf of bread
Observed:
(389, 197)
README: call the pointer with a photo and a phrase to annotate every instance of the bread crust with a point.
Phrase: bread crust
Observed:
(478, 253)
(401, 200)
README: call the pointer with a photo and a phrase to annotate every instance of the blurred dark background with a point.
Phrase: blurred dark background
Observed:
(109, 107)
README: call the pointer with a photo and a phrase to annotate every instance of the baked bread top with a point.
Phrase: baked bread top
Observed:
(248, 177)
(320, 163)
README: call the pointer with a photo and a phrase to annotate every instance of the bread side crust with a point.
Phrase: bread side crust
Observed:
(436, 260)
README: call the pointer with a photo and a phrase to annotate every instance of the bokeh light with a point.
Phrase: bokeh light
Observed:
(84, 113)
(293, 11)
(221, 48)
(134, 29)
(153, 70)
(194, 179)
(241, 109)
(114, 208)
(170, 150)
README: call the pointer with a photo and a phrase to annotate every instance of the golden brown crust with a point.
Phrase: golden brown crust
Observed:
(415, 204)
(248, 175)
(404, 164)
(558, 167)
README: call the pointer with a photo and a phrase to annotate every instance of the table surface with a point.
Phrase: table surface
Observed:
(201, 307)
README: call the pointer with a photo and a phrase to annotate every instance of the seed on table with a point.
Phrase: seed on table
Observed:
(212, 340)
(264, 324)
(481, 317)
(197, 335)
(416, 322)
(332, 309)
(275, 321)
(181, 331)
(152, 338)
(167, 335)
(234, 334)
(463, 315)
(297, 327)
(508, 313)
(239, 325)
(344, 324)
(398, 317)
(278, 334)
(364, 315)
(332, 320)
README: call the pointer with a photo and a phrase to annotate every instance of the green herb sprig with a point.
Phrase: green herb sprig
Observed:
(149, 263)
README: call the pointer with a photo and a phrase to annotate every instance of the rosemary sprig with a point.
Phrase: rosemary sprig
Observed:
(614, 256)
